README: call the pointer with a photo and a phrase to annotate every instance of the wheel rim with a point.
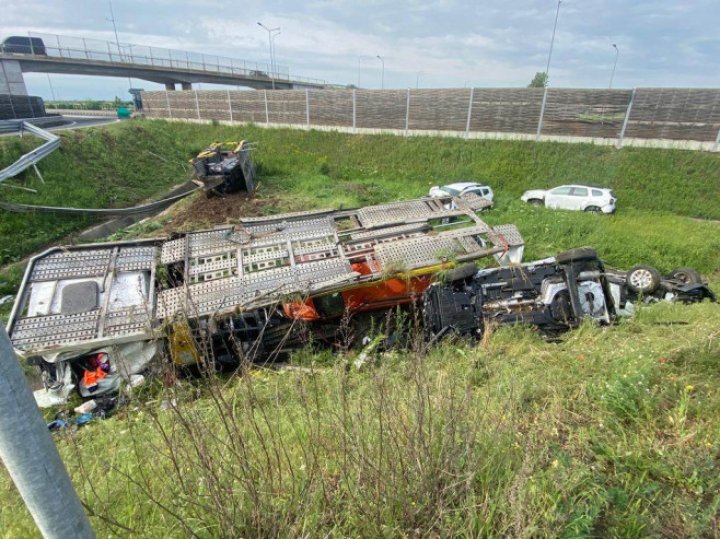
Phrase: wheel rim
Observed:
(641, 279)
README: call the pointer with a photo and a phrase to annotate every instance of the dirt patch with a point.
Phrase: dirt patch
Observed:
(205, 212)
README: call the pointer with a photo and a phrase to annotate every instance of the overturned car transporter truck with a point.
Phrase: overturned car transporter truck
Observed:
(235, 292)
(239, 284)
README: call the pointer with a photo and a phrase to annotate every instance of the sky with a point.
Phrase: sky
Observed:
(431, 44)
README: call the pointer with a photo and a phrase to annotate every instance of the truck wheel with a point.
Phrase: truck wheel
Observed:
(685, 275)
(643, 279)
(576, 255)
(460, 273)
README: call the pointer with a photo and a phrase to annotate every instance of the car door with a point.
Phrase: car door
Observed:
(578, 197)
(558, 198)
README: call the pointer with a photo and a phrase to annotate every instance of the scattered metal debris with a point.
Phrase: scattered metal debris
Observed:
(31, 158)
(554, 294)
(185, 190)
(225, 167)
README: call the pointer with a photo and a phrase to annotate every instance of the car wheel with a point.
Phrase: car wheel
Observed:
(592, 209)
(643, 279)
(685, 275)
(461, 273)
(536, 202)
(576, 255)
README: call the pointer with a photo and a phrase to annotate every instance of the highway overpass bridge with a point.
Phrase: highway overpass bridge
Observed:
(49, 53)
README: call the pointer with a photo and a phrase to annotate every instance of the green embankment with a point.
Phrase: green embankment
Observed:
(123, 164)
(612, 432)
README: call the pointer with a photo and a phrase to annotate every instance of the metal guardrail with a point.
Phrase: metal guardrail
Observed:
(31, 158)
(78, 48)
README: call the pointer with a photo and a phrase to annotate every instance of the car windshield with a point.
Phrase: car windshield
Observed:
(451, 190)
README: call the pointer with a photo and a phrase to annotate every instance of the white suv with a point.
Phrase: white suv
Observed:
(573, 197)
(460, 188)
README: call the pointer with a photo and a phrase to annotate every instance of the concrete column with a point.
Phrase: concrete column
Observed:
(170, 86)
(11, 78)
(186, 85)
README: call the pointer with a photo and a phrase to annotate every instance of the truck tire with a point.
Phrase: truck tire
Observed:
(685, 275)
(576, 255)
(643, 279)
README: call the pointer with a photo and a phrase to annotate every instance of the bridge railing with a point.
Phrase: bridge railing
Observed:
(77, 48)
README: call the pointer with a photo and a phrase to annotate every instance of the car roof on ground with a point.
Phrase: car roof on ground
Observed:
(463, 185)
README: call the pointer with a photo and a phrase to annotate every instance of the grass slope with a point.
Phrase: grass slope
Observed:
(610, 433)
(613, 432)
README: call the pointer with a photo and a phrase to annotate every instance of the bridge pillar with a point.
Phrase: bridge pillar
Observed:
(186, 85)
(169, 86)
(11, 78)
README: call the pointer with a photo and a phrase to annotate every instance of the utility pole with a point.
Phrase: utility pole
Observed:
(417, 80)
(382, 80)
(612, 75)
(31, 458)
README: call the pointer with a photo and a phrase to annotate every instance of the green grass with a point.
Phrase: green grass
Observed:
(122, 164)
(612, 432)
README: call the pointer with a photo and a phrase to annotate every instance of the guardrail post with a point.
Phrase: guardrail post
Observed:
(167, 101)
(717, 142)
(197, 104)
(542, 114)
(354, 112)
(229, 105)
(407, 112)
(31, 458)
(621, 137)
(267, 114)
(307, 107)
(469, 114)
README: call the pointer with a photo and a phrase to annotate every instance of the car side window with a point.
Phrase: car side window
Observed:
(561, 191)
(485, 192)
(579, 192)
(596, 193)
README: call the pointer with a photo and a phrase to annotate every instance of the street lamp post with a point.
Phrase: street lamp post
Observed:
(417, 80)
(612, 75)
(382, 79)
(547, 72)
(272, 32)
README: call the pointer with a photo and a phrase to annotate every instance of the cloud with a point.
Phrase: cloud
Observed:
(662, 42)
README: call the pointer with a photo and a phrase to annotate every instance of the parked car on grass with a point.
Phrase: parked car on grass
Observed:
(460, 188)
(573, 197)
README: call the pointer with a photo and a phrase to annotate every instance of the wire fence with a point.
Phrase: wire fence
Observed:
(93, 50)
(673, 114)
